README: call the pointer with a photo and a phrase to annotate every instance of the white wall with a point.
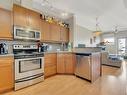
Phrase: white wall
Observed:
(6, 4)
(82, 36)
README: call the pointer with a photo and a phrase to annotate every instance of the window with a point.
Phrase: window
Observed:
(109, 40)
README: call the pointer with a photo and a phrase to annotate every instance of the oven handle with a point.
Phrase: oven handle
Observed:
(29, 78)
(29, 58)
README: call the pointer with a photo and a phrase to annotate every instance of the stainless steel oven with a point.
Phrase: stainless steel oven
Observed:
(29, 66)
(26, 34)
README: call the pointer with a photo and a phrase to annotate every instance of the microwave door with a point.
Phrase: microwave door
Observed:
(25, 34)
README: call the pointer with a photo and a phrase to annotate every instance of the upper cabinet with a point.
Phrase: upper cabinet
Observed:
(45, 31)
(64, 34)
(5, 24)
(25, 17)
(33, 19)
(55, 32)
(20, 16)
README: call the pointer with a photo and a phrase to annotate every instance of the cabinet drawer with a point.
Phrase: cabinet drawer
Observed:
(50, 59)
(51, 70)
(6, 61)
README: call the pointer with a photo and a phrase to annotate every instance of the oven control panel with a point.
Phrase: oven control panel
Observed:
(25, 47)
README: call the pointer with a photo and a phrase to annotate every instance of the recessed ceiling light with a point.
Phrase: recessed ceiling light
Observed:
(64, 14)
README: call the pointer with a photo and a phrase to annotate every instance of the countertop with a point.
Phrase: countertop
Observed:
(6, 55)
(75, 52)
(58, 52)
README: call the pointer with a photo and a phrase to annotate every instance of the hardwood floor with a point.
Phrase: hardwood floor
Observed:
(112, 82)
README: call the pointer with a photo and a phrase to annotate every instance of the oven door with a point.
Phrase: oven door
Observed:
(28, 67)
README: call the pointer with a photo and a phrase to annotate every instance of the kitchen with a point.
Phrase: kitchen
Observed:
(38, 50)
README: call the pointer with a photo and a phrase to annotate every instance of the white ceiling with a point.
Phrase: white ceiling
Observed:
(111, 13)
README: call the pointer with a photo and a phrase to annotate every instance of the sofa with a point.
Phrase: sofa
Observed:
(110, 60)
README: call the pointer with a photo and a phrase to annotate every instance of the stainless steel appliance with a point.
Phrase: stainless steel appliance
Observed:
(3, 48)
(29, 65)
(26, 34)
(83, 66)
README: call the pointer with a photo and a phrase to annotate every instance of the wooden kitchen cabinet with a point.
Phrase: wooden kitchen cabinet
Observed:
(60, 63)
(5, 24)
(26, 18)
(6, 73)
(69, 63)
(55, 32)
(50, 64)
(45, 31)
(64, 34)
(20, 16)
(33, 19)
(65, 63)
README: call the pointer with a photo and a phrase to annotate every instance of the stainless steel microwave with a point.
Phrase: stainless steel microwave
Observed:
(26, 34)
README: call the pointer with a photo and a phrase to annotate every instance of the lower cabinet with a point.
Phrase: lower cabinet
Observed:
(6, 73)
(49, 71)
(50, 64)
(66, 63)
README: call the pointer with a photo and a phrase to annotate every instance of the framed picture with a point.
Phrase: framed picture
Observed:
(91, 41)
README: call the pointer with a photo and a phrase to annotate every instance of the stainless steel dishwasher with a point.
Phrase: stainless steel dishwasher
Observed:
(83, 66)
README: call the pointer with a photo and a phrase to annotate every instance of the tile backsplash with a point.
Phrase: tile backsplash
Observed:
(57, 46)
(52, 46)
(11, 43)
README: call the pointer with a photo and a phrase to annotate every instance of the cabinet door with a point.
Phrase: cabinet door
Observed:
(60, 63)
(20, 16)
(6, 73)
(50, 64)
(64, 34)
(50, 59)
(45, 31)
(55, 32)
(69, 63)
(33, 19)
(5, 24)
(50, 70)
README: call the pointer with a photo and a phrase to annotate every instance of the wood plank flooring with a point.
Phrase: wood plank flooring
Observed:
(112, 82)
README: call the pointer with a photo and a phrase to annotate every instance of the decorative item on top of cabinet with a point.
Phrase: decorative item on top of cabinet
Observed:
(66, 63)
(5, 24)
(54, 20)
(6, 73)
(25, 17)
(50, 64)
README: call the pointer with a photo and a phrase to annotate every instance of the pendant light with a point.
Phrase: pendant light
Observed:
(98, 31)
